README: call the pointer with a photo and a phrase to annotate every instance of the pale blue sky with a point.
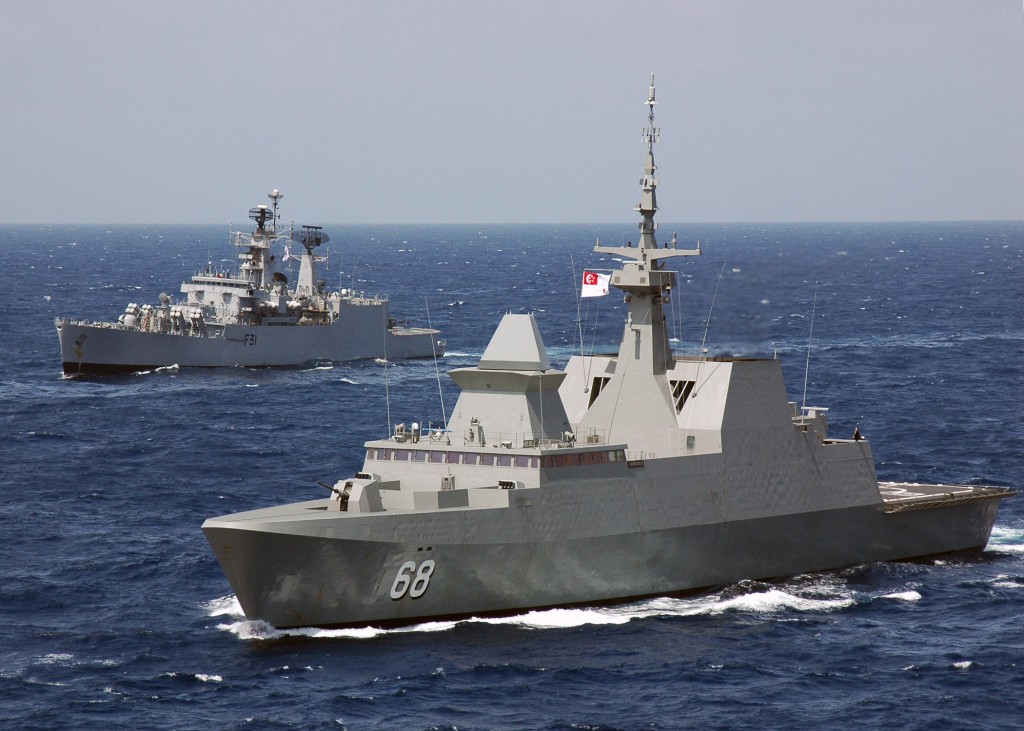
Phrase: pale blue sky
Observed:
(136, 111)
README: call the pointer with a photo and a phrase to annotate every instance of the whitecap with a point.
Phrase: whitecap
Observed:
(963, 664)
(225, 605)
(462, 354)
(56, 658)
(1004, 581)
(204, 677)
(905, 596)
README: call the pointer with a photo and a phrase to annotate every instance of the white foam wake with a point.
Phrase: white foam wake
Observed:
(767, 603)
(1006, 539)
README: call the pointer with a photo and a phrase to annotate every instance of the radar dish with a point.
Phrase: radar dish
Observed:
(311, 236)
(261, 214)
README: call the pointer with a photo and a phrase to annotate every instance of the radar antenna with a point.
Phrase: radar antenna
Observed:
(275, 196)
(648, 204)
(310, 237)
(647, 250)
(263, 215)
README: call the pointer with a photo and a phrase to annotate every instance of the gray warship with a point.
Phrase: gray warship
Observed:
(623, 476)
(251, 317)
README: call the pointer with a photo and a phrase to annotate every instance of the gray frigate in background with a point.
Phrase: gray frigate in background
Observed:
(251, 317)
(631, 475)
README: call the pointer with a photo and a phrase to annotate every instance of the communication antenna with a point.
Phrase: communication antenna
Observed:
(707, 323)
(707, 326)
(576, 292)
(387, 392)
(437, 370)
(810, 334)
(275, 196)
(677, 321)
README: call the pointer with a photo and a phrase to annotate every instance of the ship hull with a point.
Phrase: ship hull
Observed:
(105, 349)
(344, 572)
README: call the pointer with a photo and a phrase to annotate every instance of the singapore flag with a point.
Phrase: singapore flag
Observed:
(594, 284)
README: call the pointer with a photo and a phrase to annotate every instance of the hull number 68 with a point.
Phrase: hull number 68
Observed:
(412, 579)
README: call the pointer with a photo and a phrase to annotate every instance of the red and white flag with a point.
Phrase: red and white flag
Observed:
(594, 284)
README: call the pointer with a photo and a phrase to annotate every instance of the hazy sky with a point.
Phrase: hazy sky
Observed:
(140, 111)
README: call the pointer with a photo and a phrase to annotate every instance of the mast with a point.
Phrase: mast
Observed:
(253, 265)
(310, 237)
(648, 204)
(644, 280)
(275, 196)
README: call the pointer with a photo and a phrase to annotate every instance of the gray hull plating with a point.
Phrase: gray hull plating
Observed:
(96, 348)
(349, 583)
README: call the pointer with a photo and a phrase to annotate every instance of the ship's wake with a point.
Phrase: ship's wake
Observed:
(1006, 539)
(784, 603)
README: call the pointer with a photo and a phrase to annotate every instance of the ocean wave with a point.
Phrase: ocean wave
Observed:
(1005, 581)
(1005, 539)
(820, 596)
(905, 596)
(201, 677)
(225, 605)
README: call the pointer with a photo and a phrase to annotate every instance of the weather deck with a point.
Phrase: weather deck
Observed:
(900, 496)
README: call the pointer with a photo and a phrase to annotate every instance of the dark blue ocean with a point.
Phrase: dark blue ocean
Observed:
(114, 613)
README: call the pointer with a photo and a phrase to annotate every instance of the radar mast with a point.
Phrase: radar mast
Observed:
(647, 250)
(641, 275)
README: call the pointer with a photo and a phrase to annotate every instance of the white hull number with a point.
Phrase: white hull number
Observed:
(412, 580)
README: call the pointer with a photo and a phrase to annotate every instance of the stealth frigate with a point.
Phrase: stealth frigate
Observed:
(630, 475)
